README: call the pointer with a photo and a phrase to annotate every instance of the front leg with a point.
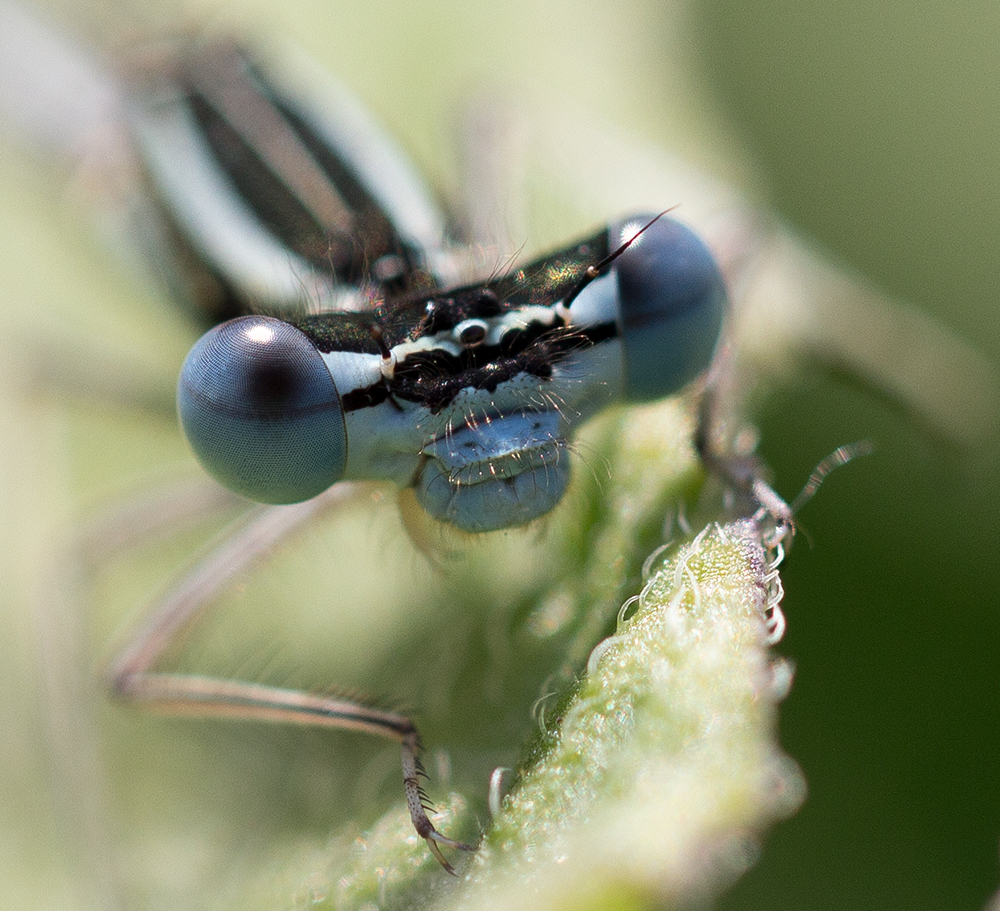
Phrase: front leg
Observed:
(133, 675)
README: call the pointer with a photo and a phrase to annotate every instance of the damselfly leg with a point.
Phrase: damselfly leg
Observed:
(135, 677)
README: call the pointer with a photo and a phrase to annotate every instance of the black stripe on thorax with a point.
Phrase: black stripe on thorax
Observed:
(350, 255)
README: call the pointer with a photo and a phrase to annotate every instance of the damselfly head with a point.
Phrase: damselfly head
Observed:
(470, 396)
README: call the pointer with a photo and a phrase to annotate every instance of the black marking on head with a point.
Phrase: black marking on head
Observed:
(434, 378)
(444, 312)
(406, 319)
(368, 397)
(364, 332)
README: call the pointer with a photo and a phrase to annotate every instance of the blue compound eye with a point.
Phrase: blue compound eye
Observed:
(261, 412)
(672, 301)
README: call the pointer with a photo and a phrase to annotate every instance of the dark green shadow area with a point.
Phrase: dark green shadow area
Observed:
(878, 130)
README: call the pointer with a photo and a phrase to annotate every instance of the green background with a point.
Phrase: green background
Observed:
(872, 128)
(877, 126)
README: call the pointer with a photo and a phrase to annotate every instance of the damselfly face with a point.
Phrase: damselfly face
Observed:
(468, 395)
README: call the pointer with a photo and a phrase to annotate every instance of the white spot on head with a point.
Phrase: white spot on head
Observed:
(471, 332)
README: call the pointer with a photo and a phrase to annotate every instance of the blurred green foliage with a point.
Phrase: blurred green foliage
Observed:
(873, 128)
(877, 128)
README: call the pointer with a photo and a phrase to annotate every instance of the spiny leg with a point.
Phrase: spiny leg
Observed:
(133, 675)
(743, 472)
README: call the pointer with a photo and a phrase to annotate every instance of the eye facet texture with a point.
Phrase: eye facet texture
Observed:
(261, 412)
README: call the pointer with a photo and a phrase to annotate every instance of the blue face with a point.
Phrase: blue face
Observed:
(469, 396)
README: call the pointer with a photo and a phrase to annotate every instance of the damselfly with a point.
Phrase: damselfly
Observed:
(467, 395)
(364, 359)
(378, 580)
